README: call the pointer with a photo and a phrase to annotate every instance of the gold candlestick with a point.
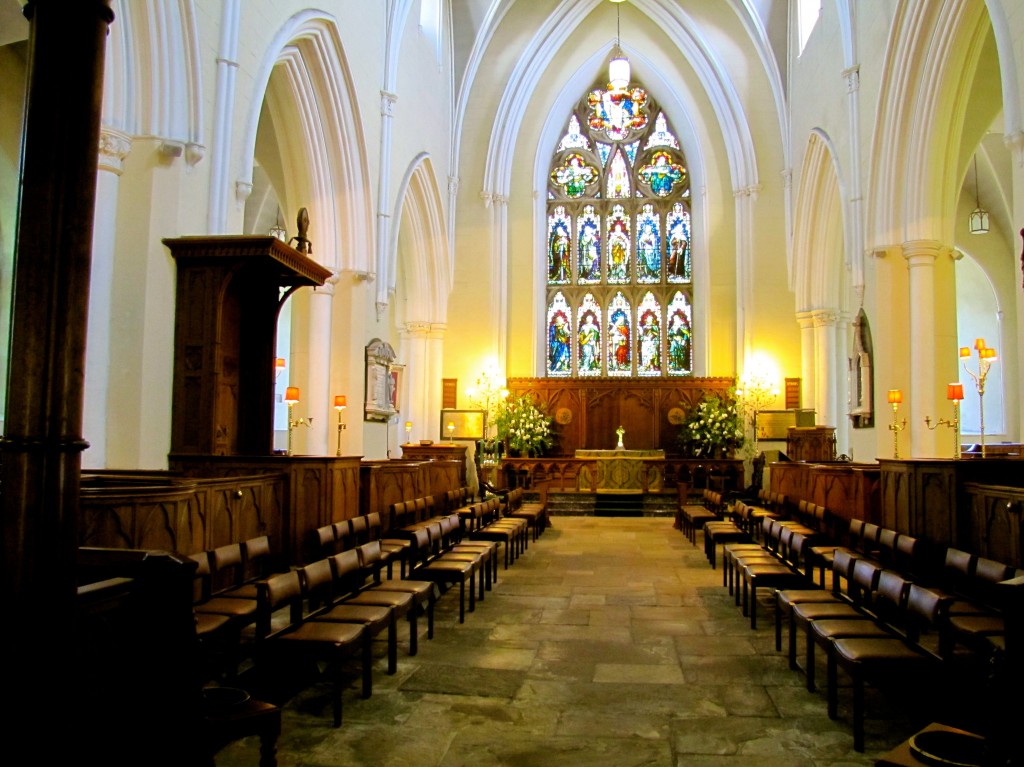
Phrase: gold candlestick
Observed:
(340, 403)
(895, 399)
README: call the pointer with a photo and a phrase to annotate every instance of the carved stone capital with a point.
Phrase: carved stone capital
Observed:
(824, 317)
(852, 77)
(387, 103)
(114, 147)
(493, 198)
(453, 185)
(194, 153)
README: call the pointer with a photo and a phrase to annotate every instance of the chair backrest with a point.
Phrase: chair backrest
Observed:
(842, 563)
(347, 572)
(374, 526)
(359, 528)
(277, 591)
(420, 548)
(890, 596)
(864, 579)
(869, 535)
(887, 545)
(925, 612)
(317, 579)
(342, 536)
(324, 539)
(226, 564)
(958, 569)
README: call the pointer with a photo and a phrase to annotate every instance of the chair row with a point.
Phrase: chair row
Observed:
(331, 610)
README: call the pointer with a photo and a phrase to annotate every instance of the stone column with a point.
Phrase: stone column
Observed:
(41, 448)
(114, 147)
(807, 359)
(921, 401)
(415, 408)
(826, 373)
(317, 399)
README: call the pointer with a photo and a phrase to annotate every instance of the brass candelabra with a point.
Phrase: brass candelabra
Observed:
(291, 397)
(895, 398)
(986, 357)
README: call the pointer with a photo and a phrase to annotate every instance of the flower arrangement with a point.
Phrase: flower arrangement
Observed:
(523, 425)
(714, 426)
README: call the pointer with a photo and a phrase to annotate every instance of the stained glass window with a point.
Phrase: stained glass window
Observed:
(619, 260)
(589, 336)
(559, 263)
(648, 337)
(559, 337)
(680, 349)
(620, 337)
(589, 246)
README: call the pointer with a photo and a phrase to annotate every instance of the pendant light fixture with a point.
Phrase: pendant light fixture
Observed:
(618, 67)
(979, 216)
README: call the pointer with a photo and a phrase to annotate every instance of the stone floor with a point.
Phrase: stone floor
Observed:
(610, 642)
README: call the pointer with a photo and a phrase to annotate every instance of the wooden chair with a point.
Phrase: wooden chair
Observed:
(864, 658)
(444, 573)
(309, 641)
(424, 593)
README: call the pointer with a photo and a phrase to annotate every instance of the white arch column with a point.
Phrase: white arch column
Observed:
(497, 204)
(826, 381)
(114, 148)
(921, 256)
(415, 352)
(807, 366)
(310, 354)
(745, 199)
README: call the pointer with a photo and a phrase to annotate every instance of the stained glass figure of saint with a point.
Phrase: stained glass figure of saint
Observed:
(574, 176)
(678, 244)
(589, 246)
(662, 173)
(618, 185)
(618, 112)
(559, 337)
(649, 342)
(559, 263)
(619, 337)
(618, 248)
(679, 336)
(589, 336)
(648, 246)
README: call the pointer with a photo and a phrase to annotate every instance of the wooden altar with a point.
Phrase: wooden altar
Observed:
(622, 471)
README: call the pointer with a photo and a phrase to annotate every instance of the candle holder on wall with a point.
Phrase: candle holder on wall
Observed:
(291, 397)
(954, 393)
(895, 398)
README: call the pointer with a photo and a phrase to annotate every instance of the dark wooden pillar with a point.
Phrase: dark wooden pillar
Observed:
(41, 448)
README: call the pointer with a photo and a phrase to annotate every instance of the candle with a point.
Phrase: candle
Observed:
(955, 391)
(895, 396)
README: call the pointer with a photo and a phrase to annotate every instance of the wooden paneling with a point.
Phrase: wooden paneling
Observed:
(928, 498)
(996, 530)
(383, 483)
(811, 443)
(167, 512)
(317, 491)
(848, 490)
(588, 411)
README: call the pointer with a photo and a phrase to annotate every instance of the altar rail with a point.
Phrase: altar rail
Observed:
(566, 474)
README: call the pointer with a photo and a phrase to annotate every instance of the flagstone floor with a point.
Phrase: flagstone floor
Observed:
(610, 642)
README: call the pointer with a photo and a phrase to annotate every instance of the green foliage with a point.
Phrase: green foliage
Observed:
(716, 424)
(523, 425)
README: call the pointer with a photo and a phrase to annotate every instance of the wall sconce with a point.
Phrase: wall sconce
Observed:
(291, 397)
(895, 398)
(340, 403)
(408, 432)
(954, 393)
(279, 365)
(986, 357)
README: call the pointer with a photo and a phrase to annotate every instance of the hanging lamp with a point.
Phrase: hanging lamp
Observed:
(979, 216)
(618, 67)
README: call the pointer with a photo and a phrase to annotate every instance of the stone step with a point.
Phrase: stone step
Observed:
(601, 504)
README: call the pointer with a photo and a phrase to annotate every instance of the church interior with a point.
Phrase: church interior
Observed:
(272, 271)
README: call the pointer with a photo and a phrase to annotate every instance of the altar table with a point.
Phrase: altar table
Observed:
(623, 471)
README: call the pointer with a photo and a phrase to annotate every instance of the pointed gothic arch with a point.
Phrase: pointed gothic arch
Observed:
(308, 85)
